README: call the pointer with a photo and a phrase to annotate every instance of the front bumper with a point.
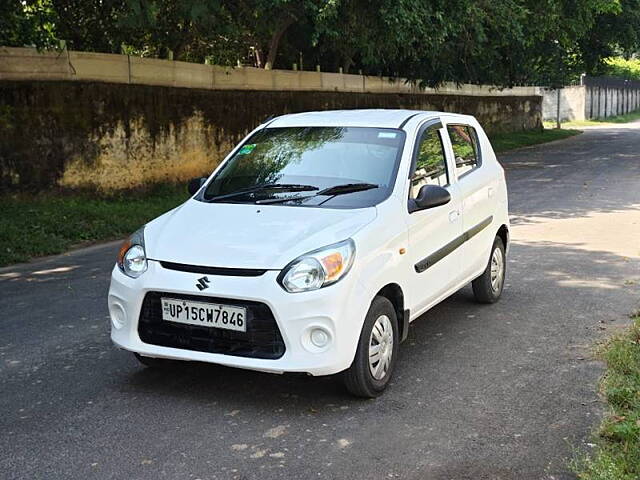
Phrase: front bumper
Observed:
(338, 310)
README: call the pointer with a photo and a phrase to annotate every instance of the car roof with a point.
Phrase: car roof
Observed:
(379, 118)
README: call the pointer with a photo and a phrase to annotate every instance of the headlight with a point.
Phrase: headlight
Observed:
(319, 268)
(132, 258)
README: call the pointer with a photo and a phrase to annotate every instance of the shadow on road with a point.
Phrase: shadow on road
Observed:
(594, 172)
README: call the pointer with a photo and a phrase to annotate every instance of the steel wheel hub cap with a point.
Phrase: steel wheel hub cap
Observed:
(380, 347)
(497, 269)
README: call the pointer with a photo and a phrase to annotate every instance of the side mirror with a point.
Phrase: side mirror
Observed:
(430, 196)
(195, 184)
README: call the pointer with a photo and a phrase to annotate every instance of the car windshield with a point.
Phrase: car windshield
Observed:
(334, 167)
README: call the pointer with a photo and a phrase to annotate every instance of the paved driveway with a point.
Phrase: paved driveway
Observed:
(502, 391)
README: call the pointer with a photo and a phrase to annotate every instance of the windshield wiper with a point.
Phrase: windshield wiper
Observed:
(347, 188)
(331, 191)
(282, 187)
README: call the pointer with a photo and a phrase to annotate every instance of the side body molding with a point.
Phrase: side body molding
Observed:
(438, 255)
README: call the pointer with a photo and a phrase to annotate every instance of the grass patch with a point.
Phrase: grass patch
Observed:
(39, 224)
(508, 141)
(617, 452)
(629, 117)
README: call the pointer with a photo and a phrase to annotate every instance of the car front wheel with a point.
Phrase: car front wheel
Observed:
(487, 288)
(375, 358)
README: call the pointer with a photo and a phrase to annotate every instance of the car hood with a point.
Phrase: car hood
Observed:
(247, 236)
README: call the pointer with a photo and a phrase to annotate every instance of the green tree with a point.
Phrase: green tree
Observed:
(91, 25)
(500, 42)
(27, 23)
(191, 30)
(615, 32)
(262, 25)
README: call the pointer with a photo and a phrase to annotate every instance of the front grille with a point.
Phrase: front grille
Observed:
(261, 340)
(231, 272)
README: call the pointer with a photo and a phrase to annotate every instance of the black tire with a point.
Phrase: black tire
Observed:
(483, 288)
(151, 362)
(359, 379)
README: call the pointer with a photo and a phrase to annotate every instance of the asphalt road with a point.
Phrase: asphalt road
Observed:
(497, 392)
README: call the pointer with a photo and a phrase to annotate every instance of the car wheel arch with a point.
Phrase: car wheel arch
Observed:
(503, 233)
(394, 293)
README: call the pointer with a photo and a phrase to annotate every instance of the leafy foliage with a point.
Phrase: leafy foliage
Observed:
(502, 42)
(622, 67)
(26, 23)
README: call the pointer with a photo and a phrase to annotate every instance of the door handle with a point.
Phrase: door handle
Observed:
(454, 215)
(491, 191)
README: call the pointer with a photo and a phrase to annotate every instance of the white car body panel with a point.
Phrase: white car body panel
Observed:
(247, 236)
(389, 243)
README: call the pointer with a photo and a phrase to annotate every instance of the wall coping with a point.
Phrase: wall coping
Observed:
(28, 64)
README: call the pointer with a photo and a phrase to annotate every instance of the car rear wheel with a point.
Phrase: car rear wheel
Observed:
(487, 288)
(375, 358)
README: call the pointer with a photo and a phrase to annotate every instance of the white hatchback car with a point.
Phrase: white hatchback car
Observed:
(315, 243)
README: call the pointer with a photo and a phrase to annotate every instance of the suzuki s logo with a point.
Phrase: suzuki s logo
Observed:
(203, 283)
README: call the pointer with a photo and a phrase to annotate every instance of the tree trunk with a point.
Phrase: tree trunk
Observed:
(258, 57)
(346, 64)
(275, 41)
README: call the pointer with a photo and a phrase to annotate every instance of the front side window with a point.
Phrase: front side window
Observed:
(431, 166)
(335, 167)
(464, 142)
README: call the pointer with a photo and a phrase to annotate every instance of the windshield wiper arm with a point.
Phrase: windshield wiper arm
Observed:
(331, 191)
(347, 188)
(283, 187)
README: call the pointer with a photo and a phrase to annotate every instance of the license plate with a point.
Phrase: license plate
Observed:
(204, 314)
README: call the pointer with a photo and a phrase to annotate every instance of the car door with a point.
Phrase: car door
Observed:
(476, 184)
(432, 233)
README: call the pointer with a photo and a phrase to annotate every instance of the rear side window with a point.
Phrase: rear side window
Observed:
(464, 142)
(431, 166)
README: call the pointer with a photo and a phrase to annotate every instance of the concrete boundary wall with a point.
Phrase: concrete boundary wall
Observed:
(572, 103)
(29, 64)
(110, 122)
(113, 136)
(603, 102)
(586, 102)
